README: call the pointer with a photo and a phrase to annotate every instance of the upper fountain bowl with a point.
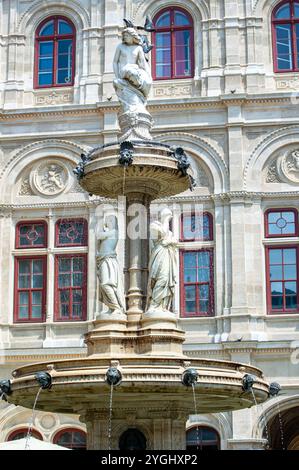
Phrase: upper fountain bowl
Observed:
(142, 166)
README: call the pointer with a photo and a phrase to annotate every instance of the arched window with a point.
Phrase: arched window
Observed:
(285, 30)
(54, 53)
(71, 438)
(202, 438)
(173, 40)
(22, 433)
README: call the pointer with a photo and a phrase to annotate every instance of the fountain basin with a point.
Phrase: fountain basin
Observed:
(154, 172)
(78, 385)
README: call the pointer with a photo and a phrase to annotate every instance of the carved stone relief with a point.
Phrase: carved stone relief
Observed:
(49, 178)
(285, 169)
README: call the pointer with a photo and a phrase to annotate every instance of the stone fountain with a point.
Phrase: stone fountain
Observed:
(135, 343)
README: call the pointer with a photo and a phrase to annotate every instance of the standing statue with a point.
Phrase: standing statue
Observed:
(132, 84)
(162, 264)
(111, 292)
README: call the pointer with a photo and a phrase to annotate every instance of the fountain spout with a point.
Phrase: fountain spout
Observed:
(274, 389)
(247, 382)
(44, 379)
(190, 377)
(113, 376)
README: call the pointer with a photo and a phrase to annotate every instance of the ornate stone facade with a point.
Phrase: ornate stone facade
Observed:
(237, 120)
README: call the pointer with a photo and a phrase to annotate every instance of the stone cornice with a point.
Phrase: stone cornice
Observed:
(153, 105)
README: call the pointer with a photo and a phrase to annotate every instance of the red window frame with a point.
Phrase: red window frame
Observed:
(30, 290)
(268, 280)
(57, 316)
(210, 313)
(172, 29)
(284, 235)
(292, 21)
(72, 431)
(69, 220)
(196, 214)
(33, 222)
(55, 37)
(24, 431)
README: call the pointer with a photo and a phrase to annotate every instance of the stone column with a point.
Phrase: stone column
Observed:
(137, 239)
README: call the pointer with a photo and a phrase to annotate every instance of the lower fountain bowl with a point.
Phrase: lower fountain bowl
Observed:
(80, 384)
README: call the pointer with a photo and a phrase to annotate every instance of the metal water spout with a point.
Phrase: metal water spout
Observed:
(113, 376)
(5, 387)
(247, 382)
(190, 377)
(44, 379)
(274, 389)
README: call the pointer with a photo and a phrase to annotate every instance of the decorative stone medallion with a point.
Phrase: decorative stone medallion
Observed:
(49, 177)
(288, 167)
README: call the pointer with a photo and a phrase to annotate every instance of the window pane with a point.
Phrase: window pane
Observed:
(274, 229)
(77, 296)
(190, 275)
(63, 76)
(275, 272)
(290, 271)
(37, 281)
(180, 19)
(64, 46)
(163, 20)
(163, 71)
(47, 29)
(64, 280)
(77, 279)
(45, 64)
(36, 311)
(204, 258)
(23, 298)
(65, 264)
(290, 288)
(291, 301)
(284, 46)
(190, 260)
(203, 275)
(204, 291)
(23, 313)
(190, 296)
(37, 266)
(289, 256)
(275, 256)
(64, 27)
(64, 296)
(78, 264)
(24, 266)
(276, 288)
(24, 282)
(182, 53)
(204, 306)
(273, 217)
(46, 48)
(71, 233)
(64, 310)
(296, 10)
(277, 303)
(77, 310)
(36, 297)
(163, 40)
(45, 78)
(283, 12)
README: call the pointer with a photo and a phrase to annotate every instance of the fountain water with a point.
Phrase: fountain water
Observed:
(139, 345)
(29, 432)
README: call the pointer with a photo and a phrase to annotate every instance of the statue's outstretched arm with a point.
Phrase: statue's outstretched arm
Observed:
(115, 62)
